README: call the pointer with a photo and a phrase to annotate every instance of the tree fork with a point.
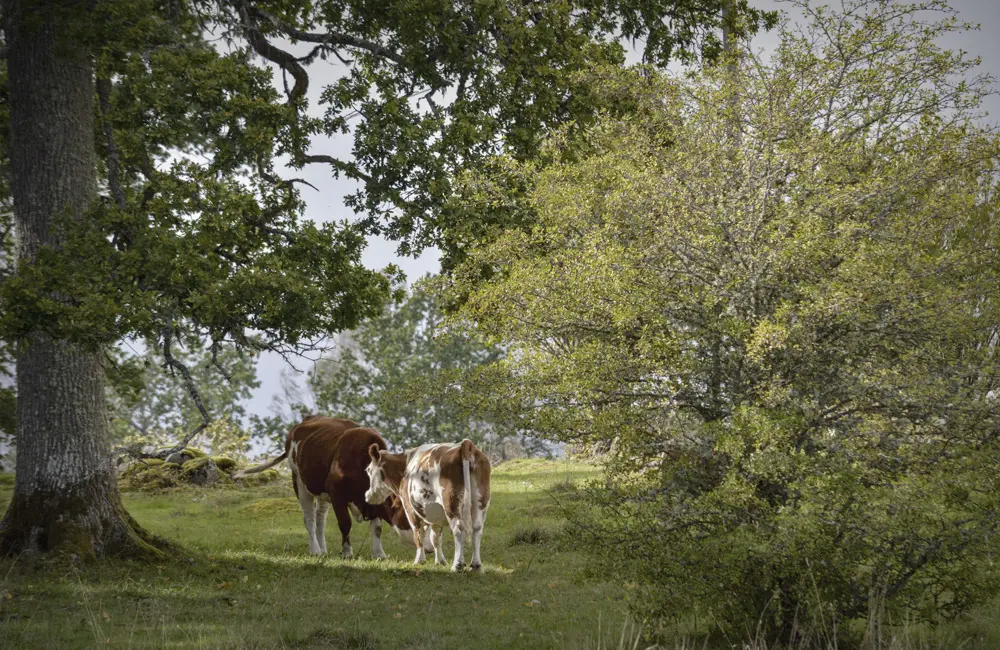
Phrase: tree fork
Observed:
(66, 492)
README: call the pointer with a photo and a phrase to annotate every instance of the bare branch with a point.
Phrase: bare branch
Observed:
(215, 361)
(169, 362)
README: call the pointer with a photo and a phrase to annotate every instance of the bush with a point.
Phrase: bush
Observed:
(769, 301)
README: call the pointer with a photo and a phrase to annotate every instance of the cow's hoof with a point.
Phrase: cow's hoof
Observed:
(475, 566)
(315, 551)
(457, 567)
(382, 556)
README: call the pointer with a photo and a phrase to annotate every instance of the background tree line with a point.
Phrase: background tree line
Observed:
(397, 373)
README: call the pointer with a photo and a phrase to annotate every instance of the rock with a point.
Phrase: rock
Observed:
(201, 471)
(179, 457)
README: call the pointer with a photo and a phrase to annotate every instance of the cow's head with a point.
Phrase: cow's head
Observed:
(378, 488)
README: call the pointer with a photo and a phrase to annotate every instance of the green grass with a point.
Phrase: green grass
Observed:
(244, 579)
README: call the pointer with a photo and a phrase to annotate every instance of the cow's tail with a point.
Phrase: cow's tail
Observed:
(471, 489)
(260, 468)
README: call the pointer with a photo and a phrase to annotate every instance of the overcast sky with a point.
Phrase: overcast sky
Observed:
(327, 203)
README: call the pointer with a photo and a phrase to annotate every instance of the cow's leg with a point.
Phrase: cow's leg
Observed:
(322, 508)
(437, 536)
(418, 539)
(376, 528)
(479, 522)
(308, 504)
(344, 523)
(458, 530)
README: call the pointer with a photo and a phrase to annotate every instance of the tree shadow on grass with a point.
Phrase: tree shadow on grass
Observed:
(235, 599)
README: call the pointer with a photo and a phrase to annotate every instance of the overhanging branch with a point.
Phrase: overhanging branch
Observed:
(169, 362)
(275, 55)
(329, 39)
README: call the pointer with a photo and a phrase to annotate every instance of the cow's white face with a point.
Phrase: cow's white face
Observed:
(378, 489)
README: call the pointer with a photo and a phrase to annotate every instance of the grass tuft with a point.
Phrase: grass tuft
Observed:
(326, 637)
(530, 535)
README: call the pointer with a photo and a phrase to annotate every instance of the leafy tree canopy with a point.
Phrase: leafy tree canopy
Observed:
(773, 292)
(198, 237)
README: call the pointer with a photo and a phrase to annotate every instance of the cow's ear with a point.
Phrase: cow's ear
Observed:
(373, 451)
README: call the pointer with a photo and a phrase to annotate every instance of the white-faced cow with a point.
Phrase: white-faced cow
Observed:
(328, 457)
(438, 484)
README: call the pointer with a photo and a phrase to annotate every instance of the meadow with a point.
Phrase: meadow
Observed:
(242, 578)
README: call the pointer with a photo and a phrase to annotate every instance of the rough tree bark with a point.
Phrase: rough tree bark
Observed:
(66, 493)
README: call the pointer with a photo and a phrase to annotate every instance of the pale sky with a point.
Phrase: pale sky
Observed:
(327, 203)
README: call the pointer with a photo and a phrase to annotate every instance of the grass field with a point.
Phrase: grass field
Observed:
(245, 580)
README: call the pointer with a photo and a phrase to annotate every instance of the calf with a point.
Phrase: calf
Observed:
(437, 484)
(327, 457)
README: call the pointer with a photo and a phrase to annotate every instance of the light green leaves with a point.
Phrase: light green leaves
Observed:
(776, 308)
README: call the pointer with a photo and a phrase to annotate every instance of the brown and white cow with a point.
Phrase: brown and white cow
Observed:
(328, 457)
(438, 484)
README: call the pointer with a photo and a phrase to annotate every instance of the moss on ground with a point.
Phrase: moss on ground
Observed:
(195, 463)
(266, 476)
(224, 463)
(194, 452)
(155, 474)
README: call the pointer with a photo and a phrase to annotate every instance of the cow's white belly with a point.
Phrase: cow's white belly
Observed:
(426, 493)
(434, 513)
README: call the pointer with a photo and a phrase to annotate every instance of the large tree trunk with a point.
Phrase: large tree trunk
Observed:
(66, 492)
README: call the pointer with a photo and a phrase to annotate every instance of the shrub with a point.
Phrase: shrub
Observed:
(769, 300)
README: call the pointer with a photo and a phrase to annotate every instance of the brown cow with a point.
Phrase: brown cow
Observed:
(438, 484)
(328, 457)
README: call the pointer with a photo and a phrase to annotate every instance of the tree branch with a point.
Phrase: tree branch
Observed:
(330, 38)
(169, 362)
(114, 179)
(276, 55)
(350, 169)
